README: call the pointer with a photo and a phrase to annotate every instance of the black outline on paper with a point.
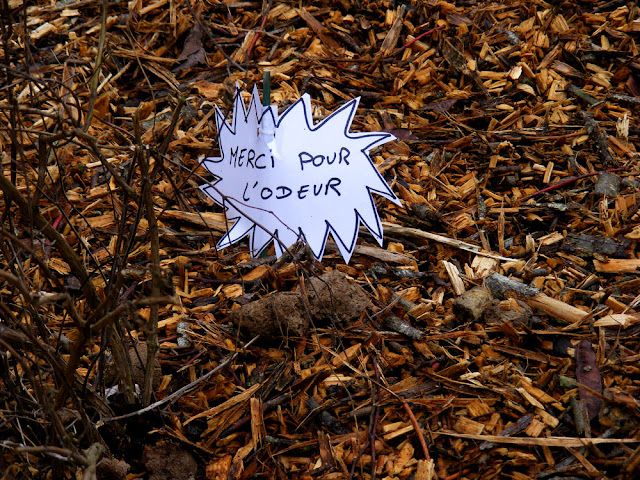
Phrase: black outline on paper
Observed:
(378, 138)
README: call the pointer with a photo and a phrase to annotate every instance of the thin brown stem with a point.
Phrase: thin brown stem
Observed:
(95, 79)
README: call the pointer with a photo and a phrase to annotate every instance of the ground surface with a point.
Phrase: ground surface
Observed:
(517, 133)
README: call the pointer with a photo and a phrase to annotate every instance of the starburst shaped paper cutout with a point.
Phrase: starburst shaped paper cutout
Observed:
(285, 179)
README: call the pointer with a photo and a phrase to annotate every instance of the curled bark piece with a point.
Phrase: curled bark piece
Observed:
(578, 92)
(504, 287)
(586, 246)
(325, 418)
(519, 426)
(608, 185)
(600, 140)
(400, 326)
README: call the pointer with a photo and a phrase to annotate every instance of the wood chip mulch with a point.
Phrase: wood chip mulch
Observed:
(499, 332)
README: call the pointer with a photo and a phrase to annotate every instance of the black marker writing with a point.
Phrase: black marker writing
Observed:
(244, 194)
(333, 185)
(317, 160)
(282, 191)
(247, 157)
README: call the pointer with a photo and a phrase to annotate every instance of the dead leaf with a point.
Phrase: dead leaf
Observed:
(193, 52)
(588, 374)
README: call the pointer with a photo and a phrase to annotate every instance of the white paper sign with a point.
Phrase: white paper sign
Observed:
(285, 179)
